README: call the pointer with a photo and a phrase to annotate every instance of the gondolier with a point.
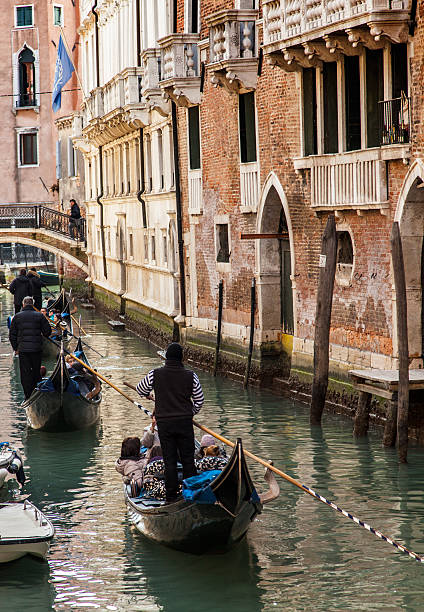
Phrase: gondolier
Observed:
(36, 287)
(26, 336)
(178, 396)
(20, 287)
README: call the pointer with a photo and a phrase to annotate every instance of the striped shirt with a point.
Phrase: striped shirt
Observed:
(145, 387)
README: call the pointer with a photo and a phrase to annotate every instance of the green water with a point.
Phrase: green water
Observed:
(299, 554)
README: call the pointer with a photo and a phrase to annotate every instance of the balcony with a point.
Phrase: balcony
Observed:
(115, 109)
(150, 90)
(249, 189)
(233, 61)
(298, 33)
(180, 79)
(354, 181)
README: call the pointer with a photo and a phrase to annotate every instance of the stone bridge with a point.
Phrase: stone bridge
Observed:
(44, 228)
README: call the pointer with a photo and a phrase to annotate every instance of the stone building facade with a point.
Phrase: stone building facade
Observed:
(127, 143)
(28, 47)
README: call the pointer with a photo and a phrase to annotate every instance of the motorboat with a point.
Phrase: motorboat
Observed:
(23, 530)
(11, 465)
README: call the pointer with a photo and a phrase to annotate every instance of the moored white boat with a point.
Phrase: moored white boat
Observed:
(23, 530)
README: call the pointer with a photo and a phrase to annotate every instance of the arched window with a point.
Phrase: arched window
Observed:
(26, 78)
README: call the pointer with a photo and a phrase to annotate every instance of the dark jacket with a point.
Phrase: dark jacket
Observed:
(75, 211)
(173, 387)
(36, 284)
(27, 330)
(20, 287)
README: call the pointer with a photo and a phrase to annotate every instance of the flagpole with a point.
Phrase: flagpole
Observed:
(69, 52)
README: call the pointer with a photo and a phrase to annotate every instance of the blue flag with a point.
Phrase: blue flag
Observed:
(63, 72)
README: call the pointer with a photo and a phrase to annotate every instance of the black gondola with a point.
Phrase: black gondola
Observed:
(204, 527)
(57, 403)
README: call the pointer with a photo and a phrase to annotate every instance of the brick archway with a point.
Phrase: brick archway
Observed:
(410, 215)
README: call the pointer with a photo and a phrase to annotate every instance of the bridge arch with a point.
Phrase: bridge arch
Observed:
(21, 239)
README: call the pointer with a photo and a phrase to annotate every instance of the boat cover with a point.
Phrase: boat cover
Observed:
(197, 488)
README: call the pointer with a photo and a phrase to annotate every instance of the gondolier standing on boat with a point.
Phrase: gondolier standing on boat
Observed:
(26, 337)
(178, 396)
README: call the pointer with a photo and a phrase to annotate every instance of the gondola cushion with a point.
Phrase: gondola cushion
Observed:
(197, 488)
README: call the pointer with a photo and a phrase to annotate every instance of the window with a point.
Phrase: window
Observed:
(223, 250)
(24, 16)
(146, 247)
(131, 241)
(375, 93)
(353, 103)
(329, 81)
(310, 111)
(165, 248)
(149, 177)
(153, 247)
(344, 258)
(247, 127)
(28, 154)
(72, 159)
(193, 16)
(194, 137)
(26, 68)
(58, 15)
(160, 160)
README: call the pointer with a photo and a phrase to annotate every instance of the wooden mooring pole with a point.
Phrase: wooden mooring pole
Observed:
(402, 338)
(218, 331)
(327, 272)
(252, 331)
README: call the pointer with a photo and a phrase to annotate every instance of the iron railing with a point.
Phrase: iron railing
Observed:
(395, 120)
(38, 216)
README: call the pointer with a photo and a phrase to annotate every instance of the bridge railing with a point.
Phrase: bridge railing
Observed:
(38, 216)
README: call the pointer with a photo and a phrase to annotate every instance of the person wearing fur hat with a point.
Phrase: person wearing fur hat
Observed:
(178, 396)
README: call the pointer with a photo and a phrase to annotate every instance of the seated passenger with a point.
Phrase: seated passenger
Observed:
(131, 464)
(206, 442)
(88, 383)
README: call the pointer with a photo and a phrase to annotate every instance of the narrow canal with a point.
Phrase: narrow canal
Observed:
(299, 554)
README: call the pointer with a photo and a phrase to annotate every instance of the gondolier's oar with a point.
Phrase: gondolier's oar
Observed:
(301, 486)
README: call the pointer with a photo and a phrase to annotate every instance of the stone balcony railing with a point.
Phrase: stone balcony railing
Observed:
(233, 45)
(115, 109)
(195, 195)
(152, 75)
(249, 186)
(180, 78)
(335, 25)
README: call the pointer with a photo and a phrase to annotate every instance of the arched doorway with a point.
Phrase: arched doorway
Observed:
(410, 214)
(275, 258)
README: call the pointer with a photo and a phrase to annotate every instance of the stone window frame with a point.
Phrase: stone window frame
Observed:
(59, 6)
(30, 4)
(20, 132)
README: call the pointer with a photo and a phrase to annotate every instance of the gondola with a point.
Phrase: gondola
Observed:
(51, 347)
(204, 527)
(57, 404)
(48, 278)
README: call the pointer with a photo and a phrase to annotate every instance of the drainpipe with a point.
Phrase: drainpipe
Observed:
(99, 197)
(141, 191)
(179, 211)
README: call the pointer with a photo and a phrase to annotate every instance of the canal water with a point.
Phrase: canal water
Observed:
(299, 554)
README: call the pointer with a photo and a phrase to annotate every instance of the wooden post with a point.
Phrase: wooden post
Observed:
(402, 336)
(362, 415)
(218, 331)
(327, 272)
(389, 437)
(252, 331)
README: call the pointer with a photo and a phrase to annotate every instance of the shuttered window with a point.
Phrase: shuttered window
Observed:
(24, 16)
(28, 149)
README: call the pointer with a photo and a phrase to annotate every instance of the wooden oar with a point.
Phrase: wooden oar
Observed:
(301, 486)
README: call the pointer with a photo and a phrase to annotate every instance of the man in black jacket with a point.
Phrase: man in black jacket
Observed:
(26, 337)
(36, 286)
(178, 396)
(20, 287)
